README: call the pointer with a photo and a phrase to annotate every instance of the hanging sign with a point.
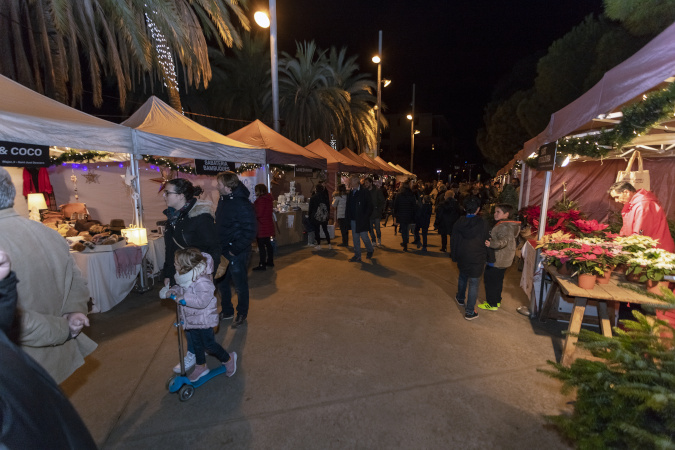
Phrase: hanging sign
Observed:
(14, 154)
(546, 160)
(212, 166)
(303, 171)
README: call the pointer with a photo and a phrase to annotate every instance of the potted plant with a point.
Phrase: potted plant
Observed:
(589, 261)
(651, 266)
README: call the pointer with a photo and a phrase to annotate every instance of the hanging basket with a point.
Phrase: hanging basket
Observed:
(586, 281)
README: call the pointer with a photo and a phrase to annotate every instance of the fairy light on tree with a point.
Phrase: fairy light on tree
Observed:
(166, 63)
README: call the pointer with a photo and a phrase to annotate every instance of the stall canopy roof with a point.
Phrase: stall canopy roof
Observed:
(368, 166)
(335, 160)
(375, 167)
(169, 133)
(648, 69)
(401, 169)
(386, 168)
(390, 167)
(279, 150)
(31, 118)
(652, 67)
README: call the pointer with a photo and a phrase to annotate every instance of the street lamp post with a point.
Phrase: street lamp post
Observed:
(412, 131)
(271, 22)
(379, 94)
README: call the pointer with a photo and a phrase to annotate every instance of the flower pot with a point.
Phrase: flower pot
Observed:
(621, 268)
(655, 286)
(605, 278)
(586, 281)
(564, 270)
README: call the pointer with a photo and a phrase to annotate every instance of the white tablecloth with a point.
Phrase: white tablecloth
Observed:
(156, 252)
(105, 289)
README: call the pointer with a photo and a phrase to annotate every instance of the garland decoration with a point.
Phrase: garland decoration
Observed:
(76, 156)
(163, 162)
(245, 167)
(638, 118)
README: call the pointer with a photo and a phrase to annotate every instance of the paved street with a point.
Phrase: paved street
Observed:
(334, 355)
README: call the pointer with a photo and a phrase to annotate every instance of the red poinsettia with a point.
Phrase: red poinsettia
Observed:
(588, 227)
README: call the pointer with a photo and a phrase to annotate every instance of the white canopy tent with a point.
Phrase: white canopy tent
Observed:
(31, 118)
(169, 133)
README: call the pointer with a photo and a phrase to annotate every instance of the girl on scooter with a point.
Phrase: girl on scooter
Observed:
(194, 294)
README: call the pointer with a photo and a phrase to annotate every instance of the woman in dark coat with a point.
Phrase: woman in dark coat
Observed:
(190, 223)
(447, 213)
(319, 212)
(265, 218)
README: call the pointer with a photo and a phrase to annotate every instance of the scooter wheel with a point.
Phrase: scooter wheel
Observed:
(185, 393)
(170, 380)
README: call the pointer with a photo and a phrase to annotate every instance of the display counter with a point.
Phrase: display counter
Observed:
(106, 289)
(289, 228)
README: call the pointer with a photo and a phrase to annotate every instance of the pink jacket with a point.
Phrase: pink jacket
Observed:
(200, 311)
(644, 215)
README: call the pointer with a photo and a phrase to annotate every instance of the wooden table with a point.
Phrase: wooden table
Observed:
(602, 293)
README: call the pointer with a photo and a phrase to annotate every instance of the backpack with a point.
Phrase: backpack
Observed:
(321, 214)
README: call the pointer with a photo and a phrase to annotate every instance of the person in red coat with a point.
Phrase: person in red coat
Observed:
(263, 212)
(642, 214)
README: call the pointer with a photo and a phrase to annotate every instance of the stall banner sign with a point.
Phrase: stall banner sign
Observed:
(15, 154)
(303, 171)
(212, 166)
(546, 159)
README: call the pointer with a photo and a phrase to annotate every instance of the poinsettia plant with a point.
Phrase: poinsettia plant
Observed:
(555, 220)
(652, 264)
(586, 227)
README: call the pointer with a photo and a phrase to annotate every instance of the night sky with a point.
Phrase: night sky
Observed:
(454, 52)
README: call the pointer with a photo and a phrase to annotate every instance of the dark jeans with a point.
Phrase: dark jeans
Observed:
(424, 232)
(317, 232)
(375, 229)
(444, 241)
(266, 251)
(494, 280)
(403, 228)
(237, 272)
(344, 230)
(203, 341)
(470, 301)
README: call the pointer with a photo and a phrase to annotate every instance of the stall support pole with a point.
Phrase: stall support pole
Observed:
(522, 179)
(142, 285)
(269, 182)
(529, 185)
(534, 307)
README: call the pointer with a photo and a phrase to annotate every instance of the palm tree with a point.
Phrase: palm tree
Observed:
(322, 95)
(359, 129)
(310, 104)
(241, 79)
(44, 41)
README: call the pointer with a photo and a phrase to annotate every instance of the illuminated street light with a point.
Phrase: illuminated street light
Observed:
(409, 117)
(417, 131)
(264, 21)
(376, 59)
(386, 82)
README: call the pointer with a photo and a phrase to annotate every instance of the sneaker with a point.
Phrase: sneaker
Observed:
(354, 259)
(189, 362)
(379, 242)
(200, 371)
(443, 250)
(459, 302)
(369, 255)
(488, 307)
(317, 247)
(424, 249)
(330, 247)
(259, 267)
(240, 320)
(270, 264)
(231, 365)
(499, 305)
(225, 316)
(342, 245)
(471, 315)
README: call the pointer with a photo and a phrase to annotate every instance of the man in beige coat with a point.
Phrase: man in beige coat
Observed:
(52, 295)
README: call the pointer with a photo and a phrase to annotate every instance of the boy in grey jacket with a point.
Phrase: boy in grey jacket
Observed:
(503, 242)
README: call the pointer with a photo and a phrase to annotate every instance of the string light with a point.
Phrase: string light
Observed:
(164, 55)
